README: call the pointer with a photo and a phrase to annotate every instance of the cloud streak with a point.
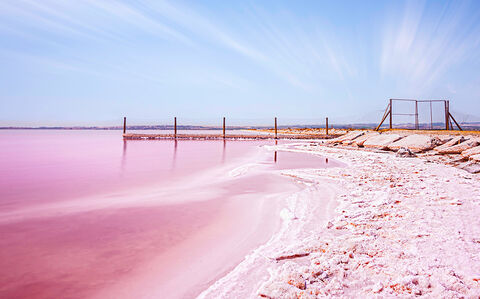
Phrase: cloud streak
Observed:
(422, 48)
(322, 56)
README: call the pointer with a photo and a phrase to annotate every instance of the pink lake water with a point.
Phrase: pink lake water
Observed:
(84, 213)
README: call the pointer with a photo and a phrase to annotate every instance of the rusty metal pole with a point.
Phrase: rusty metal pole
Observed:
(275, 128)
(431, 117)
(175, 126)
(391, 113)
(326, 125)
(223, 127)
(446, 115)
(124, 125)
(416, 115)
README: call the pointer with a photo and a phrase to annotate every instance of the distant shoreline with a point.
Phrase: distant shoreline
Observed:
(466, 126)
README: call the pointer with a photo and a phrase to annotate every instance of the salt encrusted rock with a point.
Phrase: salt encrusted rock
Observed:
(353, 137)
(459, 148)
(284, 283)
(471, 152)
(361, 140)
(454, 141)
(378, 287)
(475, 158)
(416, 143)
(381, 141)
(277, 289)
(347, 137)
(348, 142)
(405, 153)
(471, 167)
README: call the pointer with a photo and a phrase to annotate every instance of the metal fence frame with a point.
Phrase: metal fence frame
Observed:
(448, 116)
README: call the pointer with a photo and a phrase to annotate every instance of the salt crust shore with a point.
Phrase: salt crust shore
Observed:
(402, 227)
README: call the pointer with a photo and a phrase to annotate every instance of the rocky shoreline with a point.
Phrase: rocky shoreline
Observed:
(460, 150)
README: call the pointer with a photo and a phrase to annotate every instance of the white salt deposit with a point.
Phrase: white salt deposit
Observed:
(403, 227)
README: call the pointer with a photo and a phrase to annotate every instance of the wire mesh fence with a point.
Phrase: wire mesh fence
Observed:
(418, 114)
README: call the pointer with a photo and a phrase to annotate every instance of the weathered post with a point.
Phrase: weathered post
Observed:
(224, 127)
(326, 125)
(450, 127)
(175, 126)
(275, 128)
(416, 115)
(391, 113)
(124, 125)
(431, 116)
(446, 115)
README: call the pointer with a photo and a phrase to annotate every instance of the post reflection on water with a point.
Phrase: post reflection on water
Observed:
(275, 154)
(124, 157)
(223, 151)
(198, 154)
(174, 158)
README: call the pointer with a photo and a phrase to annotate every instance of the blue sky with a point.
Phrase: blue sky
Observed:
(91, 62)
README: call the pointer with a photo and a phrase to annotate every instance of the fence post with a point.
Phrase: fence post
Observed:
(175, 126)
(124, 125)
(224, 127)
(431, 117)
(326, 125)
(446, 115)
(416, 115)
(391, 113)
(275, 128)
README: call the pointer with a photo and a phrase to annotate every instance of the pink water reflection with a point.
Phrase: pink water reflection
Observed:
(48, 253)
(61, 165)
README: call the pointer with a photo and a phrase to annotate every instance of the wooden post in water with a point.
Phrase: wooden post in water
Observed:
(124, 125)
(275, 128)
(326, 125)
(175, 126)
(224, 127)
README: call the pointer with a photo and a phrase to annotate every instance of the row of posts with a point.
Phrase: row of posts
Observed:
(175, 126)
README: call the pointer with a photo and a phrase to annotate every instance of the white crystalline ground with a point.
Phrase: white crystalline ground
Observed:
(383, 226)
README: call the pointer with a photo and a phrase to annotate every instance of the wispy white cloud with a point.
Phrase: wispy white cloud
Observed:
(292, 55)
(201, 26)
(420, 48)
(249, 46)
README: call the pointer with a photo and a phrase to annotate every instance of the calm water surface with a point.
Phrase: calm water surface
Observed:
(79, 209)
